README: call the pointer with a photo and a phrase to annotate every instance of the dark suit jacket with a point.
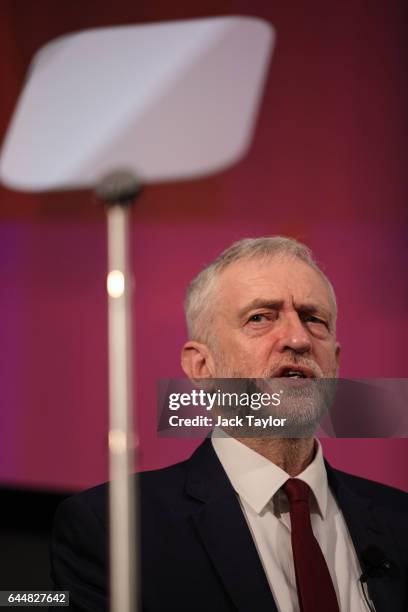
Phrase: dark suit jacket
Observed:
(197, 551)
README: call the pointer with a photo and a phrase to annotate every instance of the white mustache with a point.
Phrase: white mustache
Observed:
(306, 363)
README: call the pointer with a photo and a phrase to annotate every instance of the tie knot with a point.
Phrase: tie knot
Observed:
(296, 490)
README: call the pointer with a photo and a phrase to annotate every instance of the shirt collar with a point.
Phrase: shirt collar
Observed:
(257, 480)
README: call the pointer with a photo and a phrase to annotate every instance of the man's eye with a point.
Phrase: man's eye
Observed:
(307, 318)
(257, 318)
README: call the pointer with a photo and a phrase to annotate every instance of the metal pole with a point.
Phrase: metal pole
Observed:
(121, 494)
(118, 191)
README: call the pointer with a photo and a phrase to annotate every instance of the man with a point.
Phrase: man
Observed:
(251, 524)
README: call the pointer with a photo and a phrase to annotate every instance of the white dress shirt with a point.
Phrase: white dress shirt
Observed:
(258, 482)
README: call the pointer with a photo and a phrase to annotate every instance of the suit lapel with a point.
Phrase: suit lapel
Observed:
(222, 527)
(368, 528)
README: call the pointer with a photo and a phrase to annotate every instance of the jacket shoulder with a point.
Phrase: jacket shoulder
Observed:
(161, 482)
(380, 494)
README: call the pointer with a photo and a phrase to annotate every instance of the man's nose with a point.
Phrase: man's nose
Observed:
(293, 335)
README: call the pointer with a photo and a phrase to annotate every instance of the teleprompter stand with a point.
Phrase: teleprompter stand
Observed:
(118, 192)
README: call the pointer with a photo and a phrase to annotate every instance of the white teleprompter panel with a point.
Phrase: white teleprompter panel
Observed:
(170, 100)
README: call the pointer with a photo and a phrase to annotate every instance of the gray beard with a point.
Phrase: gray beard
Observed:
(304, 402)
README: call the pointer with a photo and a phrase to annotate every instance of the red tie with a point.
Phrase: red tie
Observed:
(314, 584)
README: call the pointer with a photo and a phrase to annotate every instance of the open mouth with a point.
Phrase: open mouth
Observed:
(292, 374)
(295, 372)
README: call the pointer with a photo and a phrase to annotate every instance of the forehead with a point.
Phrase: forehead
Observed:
(278, 278)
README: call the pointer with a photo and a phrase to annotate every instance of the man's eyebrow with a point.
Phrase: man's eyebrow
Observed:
(313, 308)
(305, 308)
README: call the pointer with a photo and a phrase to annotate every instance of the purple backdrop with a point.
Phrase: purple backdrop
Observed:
(327, 166)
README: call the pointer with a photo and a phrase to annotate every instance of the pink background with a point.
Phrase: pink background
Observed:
(327, 166)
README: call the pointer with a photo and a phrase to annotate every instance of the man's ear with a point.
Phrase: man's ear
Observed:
(337, 354)
(196, 360)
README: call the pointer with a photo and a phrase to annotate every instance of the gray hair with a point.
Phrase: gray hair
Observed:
(199, 297)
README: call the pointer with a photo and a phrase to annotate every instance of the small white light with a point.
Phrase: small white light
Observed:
(115, 283)
(117, 441)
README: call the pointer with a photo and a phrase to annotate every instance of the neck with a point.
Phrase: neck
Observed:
(292, 455)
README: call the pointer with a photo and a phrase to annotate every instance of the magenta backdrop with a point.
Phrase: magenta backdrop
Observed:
(327, 166)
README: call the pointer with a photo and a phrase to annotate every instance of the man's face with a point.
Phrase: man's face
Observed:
(273, 317)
